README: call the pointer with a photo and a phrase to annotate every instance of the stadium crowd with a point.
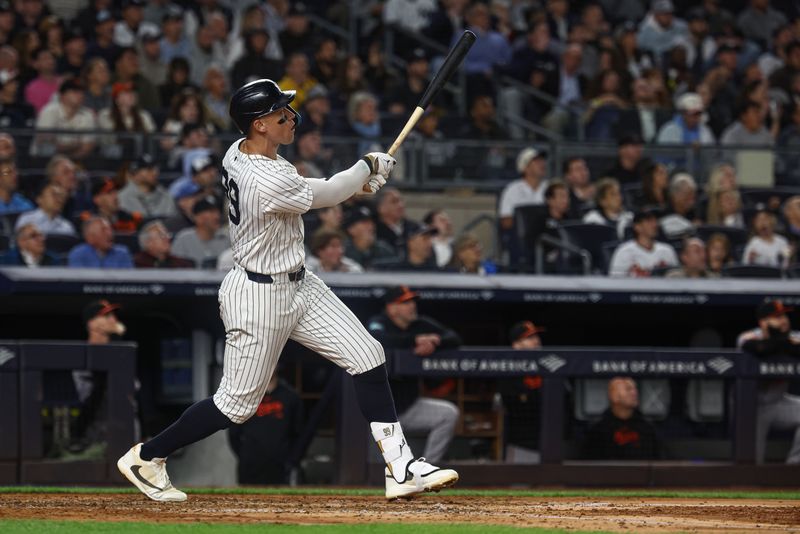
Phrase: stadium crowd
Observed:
(88, 77)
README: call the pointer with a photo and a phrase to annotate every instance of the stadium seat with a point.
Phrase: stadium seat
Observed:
(529, 222)
(60, 243)
(129, 240)
(794, 270)
(590, 237)
(5, 242)
(751, 197)
(7, 222)
(705, 400)
(591, 398)
(751, 271)
(655, 397)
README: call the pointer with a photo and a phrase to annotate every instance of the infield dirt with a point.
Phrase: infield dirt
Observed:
(582, 513)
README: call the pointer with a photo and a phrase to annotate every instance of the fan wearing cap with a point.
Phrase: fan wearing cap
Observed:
(361, 245)
(328, 254)
(142, 192)
(687, 126)
(102, 29)
(150, 63)
(774, 338)
(203, 179)
(66, 112)
(106, 204)
(630, 166)
(207, 239)
(528, 189)
(400, 327)
(661, 29)
(125, 115)
(639, 256)
(14, 112)
(419, 252)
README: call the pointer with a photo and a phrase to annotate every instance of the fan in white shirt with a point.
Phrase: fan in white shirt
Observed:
(532, 165)
(765, 247)
(641, 255)
(611, 211)
(443, 240)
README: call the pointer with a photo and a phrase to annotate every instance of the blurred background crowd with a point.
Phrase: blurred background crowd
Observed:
(116, 115)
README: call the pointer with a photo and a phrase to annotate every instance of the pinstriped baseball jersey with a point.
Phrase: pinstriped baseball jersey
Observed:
(266, 199)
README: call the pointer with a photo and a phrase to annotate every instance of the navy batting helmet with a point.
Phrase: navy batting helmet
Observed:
(256, 99)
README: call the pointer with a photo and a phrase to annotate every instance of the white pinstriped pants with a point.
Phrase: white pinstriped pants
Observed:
(260, 318)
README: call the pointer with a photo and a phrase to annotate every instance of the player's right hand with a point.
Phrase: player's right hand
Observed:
(380, 163)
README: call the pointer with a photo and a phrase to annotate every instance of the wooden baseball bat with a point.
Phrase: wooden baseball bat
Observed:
(453, 60)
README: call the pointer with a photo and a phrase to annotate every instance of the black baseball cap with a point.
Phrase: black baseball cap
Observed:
(207, 203)
(399, 294)
(70, 84)
(97, 308)
(522, 330)
(772, 308)
(643, 214)
(298, 9)
(104, 15)
(361, 213)
(145, 161)
(103, 185)
(173, 12)
(417, 54)
(421, 229)
(630, 139)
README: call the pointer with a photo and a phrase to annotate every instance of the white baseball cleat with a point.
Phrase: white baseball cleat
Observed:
(420, 476)
(149, 476)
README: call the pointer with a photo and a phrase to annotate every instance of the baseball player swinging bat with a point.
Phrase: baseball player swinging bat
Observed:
(453, 60)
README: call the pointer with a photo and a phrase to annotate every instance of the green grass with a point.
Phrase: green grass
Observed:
(717, 494)
(85, 527)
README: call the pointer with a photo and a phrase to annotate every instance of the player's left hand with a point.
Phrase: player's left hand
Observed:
(380, 163)
(375, 182)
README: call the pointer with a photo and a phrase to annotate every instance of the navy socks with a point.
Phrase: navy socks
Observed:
(375, 396)
(199, 421)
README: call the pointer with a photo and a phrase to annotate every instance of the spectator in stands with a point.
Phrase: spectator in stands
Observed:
(203, 54)
(203, 180)
(639, 256)
(156, 249)
(297, 35)
(725, 209)
(571, 83)
(14, 113)
(749, 129)
(483, 121)
(645, 118)
(622, 433)
(316, 109)
(106, 204)
(491, 48)
(86, 18)
(392, 226)
(129, 30)
(400, 327)
(660, 29)
(177, 81)
(315, 159)
(298, 77)
(776, 407)
(186, 108)
(475, 162)
(194, 142)
(126, 70)
(183, 218)
(216, 98)
(605, 105)
(67, 112)
(125, 115)
(8, 148)
(143, 193)
(47, 217)
(99, 249)
(254, 60)
(327, 247)
(263, 443)
(774, 57)
(789, 140)
(581, 189)
(418, 252)
(364, 120)
(687, 126)
(103, 43)
(349, 81)
(693, 261)
(40, 90)
(766, 247)
(791, 215)
(443, 240)
(527, 190)
(409, 15)
(174, 42)
(96, 77)
(782, 78)
(10, 200)
(468, 256)
(680, 218)
(6, 22)
(330, 218)
(610, 209)
(207, 240)
(150, 64)
(404, 97)
(655, 187)
(759, 22)
(63, 171)
(361, 245)
(30, 249)
(718, 248)
(629, 167)
(722, 178)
